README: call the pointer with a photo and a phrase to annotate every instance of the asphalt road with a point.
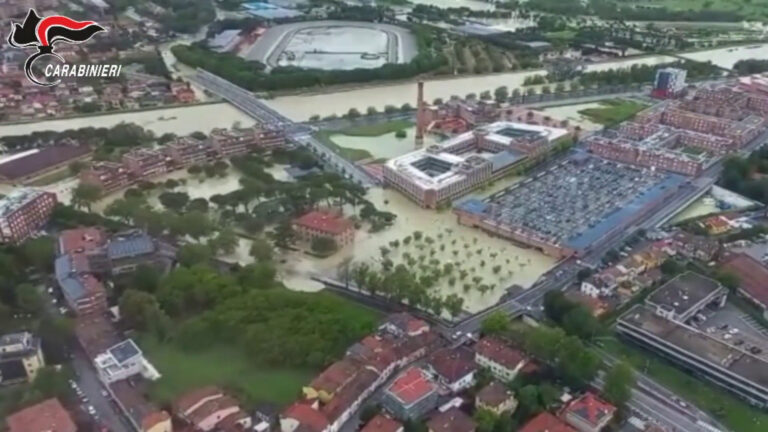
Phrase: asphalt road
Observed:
(89, 383)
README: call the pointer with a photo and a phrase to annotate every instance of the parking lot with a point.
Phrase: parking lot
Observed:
(736, 328)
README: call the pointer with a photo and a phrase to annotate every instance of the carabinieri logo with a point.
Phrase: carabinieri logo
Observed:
(43, 33)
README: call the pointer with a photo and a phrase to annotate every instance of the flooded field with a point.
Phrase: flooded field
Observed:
(471, 4)
(383, 146)
(571, 113)
(476, 252)
(181, 120)
(702, 206)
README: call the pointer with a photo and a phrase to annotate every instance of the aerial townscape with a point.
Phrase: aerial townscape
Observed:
(384, 216)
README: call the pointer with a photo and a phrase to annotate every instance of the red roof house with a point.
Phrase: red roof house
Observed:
(46, 416)
(546, 422)
(304, 416)
(381, 423)
(588, 413)
(325, 223)
(753, 278)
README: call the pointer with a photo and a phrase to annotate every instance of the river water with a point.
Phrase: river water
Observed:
(301, 107)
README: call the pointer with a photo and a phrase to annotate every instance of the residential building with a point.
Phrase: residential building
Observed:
(303, 417)
(503, 361)
(143, 415)
(452, 420)
(753, 278)
(83, 293)
(208, 408)
(453, 367)
(731, 367)
(546, 422)
(496, 397)
(588, 413)
(270, 139)
(20, 357)
(325, 223)
(669, 82)
(411, 395)
(46, 416)
(23, 212)
(123, 361)
(693, 246)
(684, 296)
(233, 142)
(144, 164)
(382, 423)
(157, 421)
(404, 324)
(187, 151)
(334, 377)
(108, 176)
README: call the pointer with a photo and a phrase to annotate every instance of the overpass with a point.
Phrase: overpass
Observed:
(295, 132)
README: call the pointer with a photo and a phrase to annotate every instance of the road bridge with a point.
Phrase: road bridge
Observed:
(295, 132)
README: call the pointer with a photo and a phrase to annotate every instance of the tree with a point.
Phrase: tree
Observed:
(728, 279)
(406, 107)
(497, 323)
(77, 166)
(39, 252)
(324, 245)
(485, 419)
(84, 195)
(174, 200)
(485, 95)
(583, 274)
(28, 299)
(140, 311)
(226, 241)
(261, 250)
(671, 267)
(371, 111)
(284, 235)
(501, 94)
(453, 304)
(619, 382)
(196, 253)
(400, 134)
(353, 113)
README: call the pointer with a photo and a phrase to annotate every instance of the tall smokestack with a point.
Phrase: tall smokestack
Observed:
(420, 126)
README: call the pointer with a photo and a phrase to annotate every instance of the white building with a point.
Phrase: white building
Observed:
(122, 361)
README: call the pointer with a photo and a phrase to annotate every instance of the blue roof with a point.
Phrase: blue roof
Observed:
(627, 211)
(70, 285)
(505, 158)
(472, 205)
(124, 351)
(129, 246)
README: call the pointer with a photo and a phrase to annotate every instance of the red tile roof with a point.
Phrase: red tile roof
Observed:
(81, 238)
(381, 423)
(335, 375)
(494, 394)
(211, 407)
(546, 422)
(590, 408)
(154, 419)
(453, 364)
(191, 398)
(307, 416)
(499, 352)
(411, 386)
(753, 276)
(453, 420)
(325, 221)
(48, 415)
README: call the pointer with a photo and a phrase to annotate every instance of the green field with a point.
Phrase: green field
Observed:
(377, 129)
(732, 412)
(613, 111)
(371, 130)
(350, 154)
(229, 368)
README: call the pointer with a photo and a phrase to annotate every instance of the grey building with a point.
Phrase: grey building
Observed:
(684, 296)
(736, 370)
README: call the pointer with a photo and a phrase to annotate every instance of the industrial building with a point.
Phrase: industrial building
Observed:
(443, 172)
(23, 212)
(29, 165)
(733, 368)
(571, 206)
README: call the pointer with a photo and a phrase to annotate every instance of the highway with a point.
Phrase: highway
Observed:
(295, 132)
